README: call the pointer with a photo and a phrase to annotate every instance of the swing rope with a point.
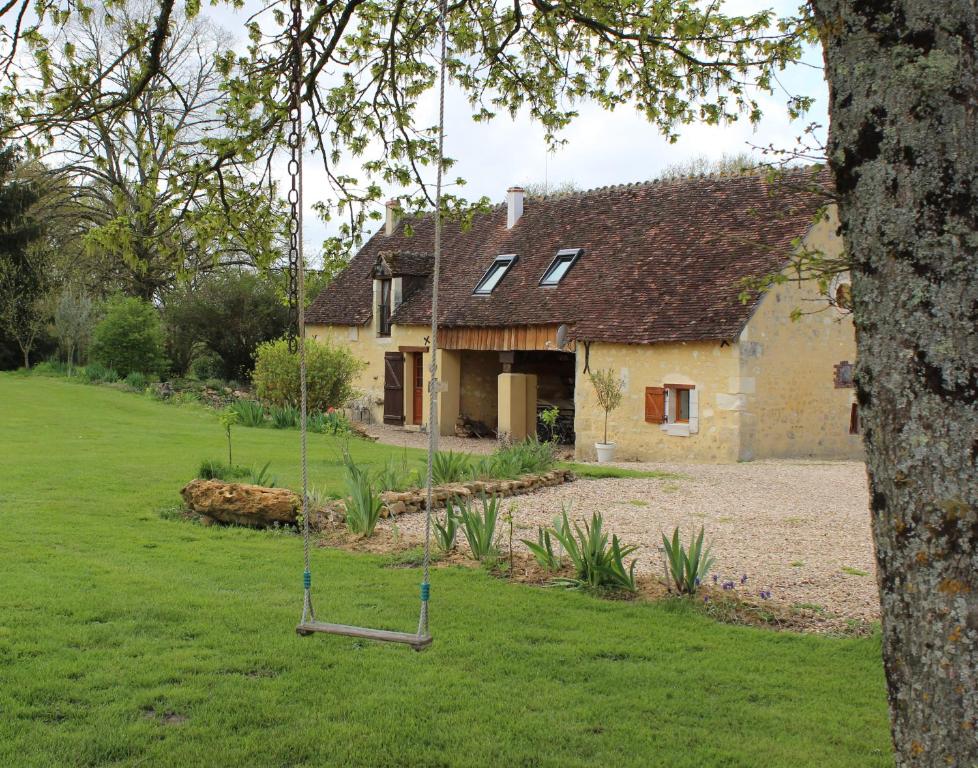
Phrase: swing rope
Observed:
(297, 287)
(433, 367)
(297, 338)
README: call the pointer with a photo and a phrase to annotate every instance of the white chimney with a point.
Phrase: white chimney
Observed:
(514, 205)
(393, 216)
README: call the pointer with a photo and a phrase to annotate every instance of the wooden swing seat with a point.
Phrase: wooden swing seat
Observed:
(417, 642)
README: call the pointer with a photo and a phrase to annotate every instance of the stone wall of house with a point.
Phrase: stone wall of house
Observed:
(479, 374)
(711, 367)
(364, 342)
(790, 404)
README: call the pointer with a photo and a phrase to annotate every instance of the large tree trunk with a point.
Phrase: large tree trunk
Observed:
(903, 147)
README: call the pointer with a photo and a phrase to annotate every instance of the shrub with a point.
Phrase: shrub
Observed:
(285, 417)
(449, 467)
(129, 338)
(96, 373)
(595, 563)
(686, 567)
(331, 371)
(137, 381)
(528, 457)
(218, 470)
(49, 368)
(332, 422)
(480, 528)
(250, 413)
(362, 504)
(206, 365)
(549, 417)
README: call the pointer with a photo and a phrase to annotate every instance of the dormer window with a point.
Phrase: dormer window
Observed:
(560, 266)
(496, 272)
(384, 308)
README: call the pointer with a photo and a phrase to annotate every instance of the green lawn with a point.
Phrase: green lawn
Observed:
(127, 639)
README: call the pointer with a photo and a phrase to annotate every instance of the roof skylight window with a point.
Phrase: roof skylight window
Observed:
(561, 265)
(496, 272)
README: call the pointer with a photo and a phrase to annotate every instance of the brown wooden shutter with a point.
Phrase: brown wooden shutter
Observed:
(393, 388)
(655, 405)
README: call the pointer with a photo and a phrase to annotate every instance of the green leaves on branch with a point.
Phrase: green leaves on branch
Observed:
(331, 371)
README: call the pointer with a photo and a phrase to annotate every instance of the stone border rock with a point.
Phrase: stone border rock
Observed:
(409, 502)
(257, 507)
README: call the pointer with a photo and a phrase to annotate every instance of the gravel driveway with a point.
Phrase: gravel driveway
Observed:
(798, 528)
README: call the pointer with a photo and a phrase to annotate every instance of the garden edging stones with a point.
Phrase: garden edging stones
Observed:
(255, 506)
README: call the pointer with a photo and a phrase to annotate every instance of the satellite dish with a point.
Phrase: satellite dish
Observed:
(561, 336)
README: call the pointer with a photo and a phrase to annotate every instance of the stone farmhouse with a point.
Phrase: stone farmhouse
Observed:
(645, 279)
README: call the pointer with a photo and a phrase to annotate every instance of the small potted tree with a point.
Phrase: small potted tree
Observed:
(608, 389)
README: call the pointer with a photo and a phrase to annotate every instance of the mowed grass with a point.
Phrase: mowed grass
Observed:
(127, 639)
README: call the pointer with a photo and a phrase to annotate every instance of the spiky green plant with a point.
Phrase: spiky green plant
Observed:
(396, 475)
(285, 416)
(262, 476)
(480, 527)
(448, 467)
(363, 505)
(596, 564)
(543, 550)
(251, 413)
(446, 530)
(686, 567)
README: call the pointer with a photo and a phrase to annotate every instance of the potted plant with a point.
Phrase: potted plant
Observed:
(608, 389)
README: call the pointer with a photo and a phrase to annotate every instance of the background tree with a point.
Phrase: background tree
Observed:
(73, 320)
(903, 148)
(229, 313)
(129, 338)
(23, 280)
(728, 164)
(150, 211)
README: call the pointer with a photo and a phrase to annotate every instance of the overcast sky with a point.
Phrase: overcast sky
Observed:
(602, 147)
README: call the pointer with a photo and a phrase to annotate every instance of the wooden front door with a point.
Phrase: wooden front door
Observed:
(393, 388)
(417, 373)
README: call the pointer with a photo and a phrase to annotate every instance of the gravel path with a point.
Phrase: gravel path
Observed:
(800, 529)
(391, 435)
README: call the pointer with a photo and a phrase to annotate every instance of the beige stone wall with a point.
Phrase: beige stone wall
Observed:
(709, 366)
(363, 342)
(791, 407)
(479, 389)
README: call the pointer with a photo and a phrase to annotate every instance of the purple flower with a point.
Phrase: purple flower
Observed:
(743, 579)
(706, 598)
(697, 580)
(728, 585)
(715, 578)
(765, 594)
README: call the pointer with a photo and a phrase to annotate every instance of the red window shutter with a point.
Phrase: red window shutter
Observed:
(655, 405)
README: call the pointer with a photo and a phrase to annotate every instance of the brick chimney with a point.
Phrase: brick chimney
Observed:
(393, 216)
(514, 205)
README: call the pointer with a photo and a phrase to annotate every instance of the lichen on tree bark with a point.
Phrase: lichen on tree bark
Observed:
(903, 147)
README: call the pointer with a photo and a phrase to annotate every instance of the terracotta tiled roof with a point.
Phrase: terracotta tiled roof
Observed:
(405, 263)
(663, 261)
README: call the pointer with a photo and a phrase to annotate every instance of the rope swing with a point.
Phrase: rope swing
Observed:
(297, 339)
